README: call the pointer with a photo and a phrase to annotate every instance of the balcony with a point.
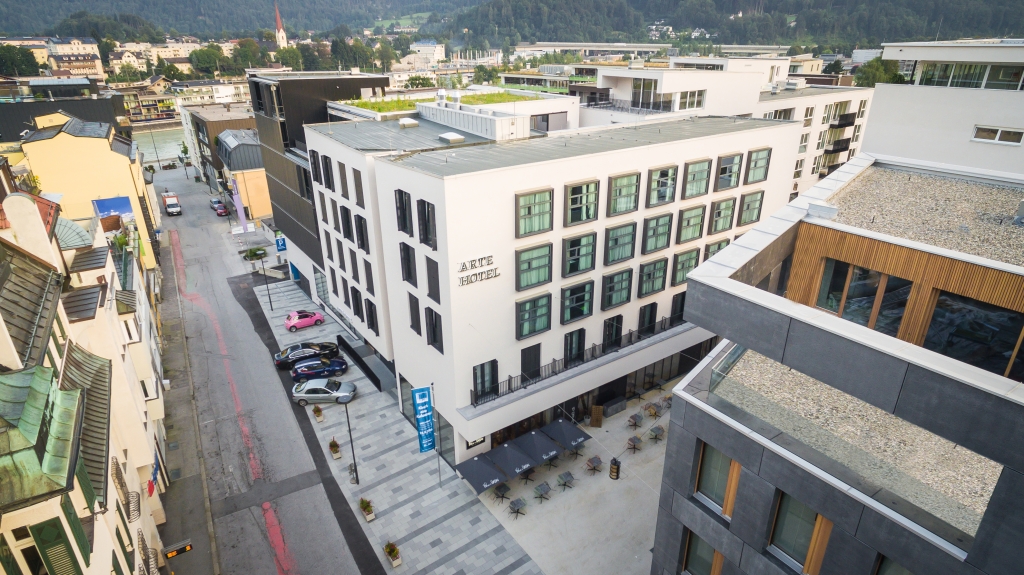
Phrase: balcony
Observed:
(844, 120)
(826, 171)
(522, 381)
(838, 146)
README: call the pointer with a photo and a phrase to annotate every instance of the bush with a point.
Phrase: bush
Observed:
(334, 446)
(391, 549)
(366, 505)
(317, 411)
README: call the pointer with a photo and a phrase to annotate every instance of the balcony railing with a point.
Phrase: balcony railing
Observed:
(148, 564)
(844, 120)
(522, 381)
(130, 500)
(838, 146)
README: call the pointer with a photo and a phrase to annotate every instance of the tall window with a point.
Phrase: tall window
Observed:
(357, 179)
(804, 138)
(341, 254)
(721, 216)
(577, 302)
(435, 337)
(334, 215)
(578, 254)
(615, 289)
(534, 267)
(728, 172)
(623, 194)
(798, 169)
(580, 203)
(691, 224)
(407, 257)
(534, 213)
(314, 165)
(678, 306)
(428, 229)
(808, 116)
(323, 207)
(662, 186)
(701, 558)
(696, 177)
(1004, 77)
(648, 318)
(683, 264)
(657, 233)
(977, 333)
(713, 248)
(968, 75)
(827, 115)
(652, 277)
(851, 292)
(344, 289)
(354, 261)
(328, 248)
(817, 164)
(334, 281)
(403, 207)
(369, 277)
(414, 313)
(800, 535)
(357, 303)
(305, 184)
(371, 317)
(328, 174)
(433, 280)
(343, 180)
(862, 108)
(619, 243)
(750, 207)
(362, 236)
(757, 166)
(346, 223)
(485, 378)
(646, 95)
(534, 316)
(856, 133)
(717, 480)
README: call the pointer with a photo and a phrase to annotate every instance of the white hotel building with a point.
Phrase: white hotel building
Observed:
(527, 275)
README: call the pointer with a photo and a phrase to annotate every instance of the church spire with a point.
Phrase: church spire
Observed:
(277, 14)
(280, 35)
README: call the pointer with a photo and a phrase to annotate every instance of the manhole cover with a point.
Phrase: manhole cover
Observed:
(172, 445)
(175, 474)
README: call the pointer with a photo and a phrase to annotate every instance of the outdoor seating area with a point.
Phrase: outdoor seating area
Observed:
(574, 500)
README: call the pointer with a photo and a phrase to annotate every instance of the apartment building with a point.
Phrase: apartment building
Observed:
(72, 46)
(207, 122)
(862, 413)
(201, 92)
(80, 97)
(77, 64)
(834, 117)
(283, 102)
(120, 58)
(949, 78)
(243, 172)
(77, 458)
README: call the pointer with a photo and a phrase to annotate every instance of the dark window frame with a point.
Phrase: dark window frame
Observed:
(741, 210)
(362, 234)
(718, 172)
(427, 217)
(314, 166)
(650, 185)
(403, 211)
(328, 172)
(767, 166)
(433, 280)
(711, 216)
(357, 180)
(677, 258)
(435, 329)
(640, 277)
(611, 197)
(343, 179)
(551, 211)
(368, 269)
(407, 262)
(648, 222)
(565, 302)
(519, 312)
(414, 314)
(566, 258)
(346, 223)
(550, 266)
(707, 247)
(686, 178)
(566, 204)
(607, 238)
(700, 226)
(628, 290)
(357, 303)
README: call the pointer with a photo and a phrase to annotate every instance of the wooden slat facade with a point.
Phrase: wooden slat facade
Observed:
(930, 273)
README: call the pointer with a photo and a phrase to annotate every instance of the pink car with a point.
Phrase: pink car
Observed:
(301, 318)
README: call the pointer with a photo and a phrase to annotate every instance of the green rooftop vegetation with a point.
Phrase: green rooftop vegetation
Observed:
(385, 106)
(495, 98)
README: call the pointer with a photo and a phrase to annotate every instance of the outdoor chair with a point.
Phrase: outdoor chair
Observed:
(501, 492)
(565, 480)
(594, 465)
(542, 491)
(516, 508)
(633, 444)
(635, 420)
(657, 433)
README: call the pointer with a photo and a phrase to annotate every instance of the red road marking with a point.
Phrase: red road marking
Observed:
(282, 556)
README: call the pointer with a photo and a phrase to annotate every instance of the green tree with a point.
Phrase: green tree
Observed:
(419, 82)
(17, 61)
(173, 73)
(878, 71)
(204, 60)
(290, 57)
(378, 30)
(795, 50)
(834, 67)
(247, 53)
(386, 55)
(106, 46)
(483, 74)
(268, 35)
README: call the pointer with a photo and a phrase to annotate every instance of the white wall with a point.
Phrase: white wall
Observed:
(936, 124)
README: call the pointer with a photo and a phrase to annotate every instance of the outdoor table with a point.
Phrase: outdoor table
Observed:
(565, 480)
(501, 491)
(527, 476)
(635, 420)
(656, 432)
(515, 508)
(541, 491)
(575, 452)
(552, 462)
(594, 464)
(633, 443)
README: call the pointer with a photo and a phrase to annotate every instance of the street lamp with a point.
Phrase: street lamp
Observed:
(348, 421)
(267, 283)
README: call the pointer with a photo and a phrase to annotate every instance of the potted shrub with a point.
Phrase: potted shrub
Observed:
(254, 254)
(335, 448)
(366, 506)
(318, 414)
(391, 550)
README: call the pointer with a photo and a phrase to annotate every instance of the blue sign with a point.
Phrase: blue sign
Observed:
(281, 245)
(424, 417)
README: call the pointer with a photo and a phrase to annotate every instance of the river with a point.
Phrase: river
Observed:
(162, 144)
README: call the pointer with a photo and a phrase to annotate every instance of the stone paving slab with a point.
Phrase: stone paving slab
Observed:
(439, 524)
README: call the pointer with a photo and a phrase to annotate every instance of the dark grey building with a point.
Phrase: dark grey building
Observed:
(864, 413)
(283, 102)
(240, 150)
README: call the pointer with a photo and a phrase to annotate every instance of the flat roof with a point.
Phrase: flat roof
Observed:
(220, 112)
(956, 214)
(389, 136)
(988, 42)
(805, 92)
(519, 152)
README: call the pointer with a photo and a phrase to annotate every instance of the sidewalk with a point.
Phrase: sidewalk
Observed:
(439, 525)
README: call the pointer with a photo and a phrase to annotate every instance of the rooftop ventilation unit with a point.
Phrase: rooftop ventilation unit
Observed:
(451, 138)
(407, 123)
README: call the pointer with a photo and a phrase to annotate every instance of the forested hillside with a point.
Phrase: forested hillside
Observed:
(551, 20)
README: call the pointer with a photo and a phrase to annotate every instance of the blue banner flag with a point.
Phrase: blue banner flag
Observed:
(424, 417)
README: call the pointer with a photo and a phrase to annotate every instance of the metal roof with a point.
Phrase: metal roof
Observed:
(126, 301)
(805, 92)
(81, 304)
(388, 136)
(74, 127)
(493, 156)
(71, 236)
(29, 291)
(87, 371)
(92, 259)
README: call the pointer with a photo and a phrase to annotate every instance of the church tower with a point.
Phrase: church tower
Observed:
(282, 38)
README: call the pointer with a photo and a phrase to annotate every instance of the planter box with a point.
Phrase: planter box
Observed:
(319, 418)
(368, 516)
(336, 455)
(395, 562)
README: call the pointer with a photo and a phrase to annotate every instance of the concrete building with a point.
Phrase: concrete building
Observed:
(950, 79)
(147, 107)
(590, 48)
(171, 50)
(72, 46)
(201, 92)
(243, 172)
(805, 64)
(77, 64)
(207, 122)
(184, 65)
(862, 413)
(429, 49)
(118, 59)
(283, 103)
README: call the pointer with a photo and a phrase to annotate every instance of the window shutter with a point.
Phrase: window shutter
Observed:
(85, 484)
(54, 548)
(76, 527)
(7, 560)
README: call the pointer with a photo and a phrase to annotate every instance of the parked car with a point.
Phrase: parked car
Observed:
(214, 202)
(221, 210)
(302, 318)
(299, 352)
(323, 390)
(318, 368)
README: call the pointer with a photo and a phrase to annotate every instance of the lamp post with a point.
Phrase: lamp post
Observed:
(355, 466)
(267, 284)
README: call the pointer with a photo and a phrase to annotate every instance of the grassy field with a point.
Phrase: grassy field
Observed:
(409, 20)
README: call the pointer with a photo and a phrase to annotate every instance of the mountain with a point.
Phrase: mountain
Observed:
(509, 21)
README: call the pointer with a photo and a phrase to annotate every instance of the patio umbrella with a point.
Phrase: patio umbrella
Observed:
(480, 473)
(510, 459)
(565, 434)
(538, 446)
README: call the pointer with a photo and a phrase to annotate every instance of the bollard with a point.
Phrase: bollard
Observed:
(278, 259)
(613, 469)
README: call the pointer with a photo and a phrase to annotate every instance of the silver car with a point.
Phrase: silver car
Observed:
(323, 391)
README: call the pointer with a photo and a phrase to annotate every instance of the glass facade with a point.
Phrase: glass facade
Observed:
(794, 526)
(977, 333)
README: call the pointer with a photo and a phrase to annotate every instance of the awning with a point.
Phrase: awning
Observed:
(538, 446)
(90, 372)
(511, 459)
(565, 434)
(480, 473)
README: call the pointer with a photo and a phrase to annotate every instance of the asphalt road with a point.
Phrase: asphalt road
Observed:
(270, 510)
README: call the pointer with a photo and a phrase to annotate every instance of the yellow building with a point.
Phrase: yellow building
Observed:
(239, 150)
